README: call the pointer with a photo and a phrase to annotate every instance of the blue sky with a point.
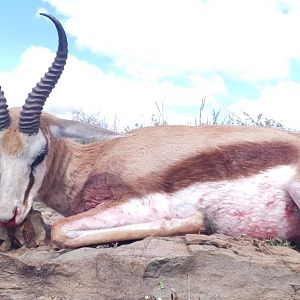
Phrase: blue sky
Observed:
(21, 29)
(125, 56)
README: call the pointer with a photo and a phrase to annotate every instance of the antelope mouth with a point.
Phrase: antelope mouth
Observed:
(11, 223)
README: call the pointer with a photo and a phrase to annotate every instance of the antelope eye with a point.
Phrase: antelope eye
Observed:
(39, 159)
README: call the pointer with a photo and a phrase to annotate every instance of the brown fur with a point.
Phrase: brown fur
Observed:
(67, 171)
(12, 143)
(156, 159)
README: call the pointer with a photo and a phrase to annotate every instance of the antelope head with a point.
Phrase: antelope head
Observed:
(23, 145)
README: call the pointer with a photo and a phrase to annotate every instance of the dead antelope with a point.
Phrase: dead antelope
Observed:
(164, 180)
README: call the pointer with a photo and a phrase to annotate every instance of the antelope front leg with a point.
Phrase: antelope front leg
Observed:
(100, 226)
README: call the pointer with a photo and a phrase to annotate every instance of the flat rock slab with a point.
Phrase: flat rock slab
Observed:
(191, 267)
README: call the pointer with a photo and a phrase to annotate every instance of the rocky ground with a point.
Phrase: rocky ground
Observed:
(49, 215)
(190, 267)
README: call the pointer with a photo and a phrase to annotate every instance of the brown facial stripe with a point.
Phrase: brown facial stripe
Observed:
(30, 184)
(228, 162)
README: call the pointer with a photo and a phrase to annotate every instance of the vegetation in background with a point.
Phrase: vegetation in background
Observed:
(94, 119)
(160, 118)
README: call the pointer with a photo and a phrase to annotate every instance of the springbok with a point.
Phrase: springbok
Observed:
(163, 180)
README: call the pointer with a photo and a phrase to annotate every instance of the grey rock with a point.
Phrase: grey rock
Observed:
(195, 266)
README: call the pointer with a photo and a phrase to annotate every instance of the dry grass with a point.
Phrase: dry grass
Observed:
(160, 118)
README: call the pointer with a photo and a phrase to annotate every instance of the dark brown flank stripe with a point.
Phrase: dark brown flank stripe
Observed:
(228, 162)
(30, 184)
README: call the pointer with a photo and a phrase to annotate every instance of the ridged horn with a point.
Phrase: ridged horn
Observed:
(4, 116)
(30, 115)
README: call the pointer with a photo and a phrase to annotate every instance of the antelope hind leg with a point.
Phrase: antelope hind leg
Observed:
(83, 229)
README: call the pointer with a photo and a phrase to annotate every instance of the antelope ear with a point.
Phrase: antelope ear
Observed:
(82, 132)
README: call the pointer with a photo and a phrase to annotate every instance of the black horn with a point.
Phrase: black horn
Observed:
(4, 116)
(31, 111)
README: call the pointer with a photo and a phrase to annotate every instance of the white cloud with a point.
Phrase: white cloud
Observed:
(279, 102)
(85, 86)
(250, 39)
